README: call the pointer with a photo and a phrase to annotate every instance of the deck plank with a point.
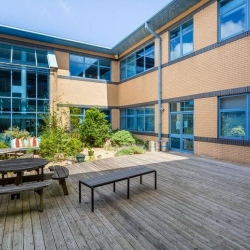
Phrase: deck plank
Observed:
(199, 204)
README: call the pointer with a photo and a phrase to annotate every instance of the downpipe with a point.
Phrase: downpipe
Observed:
(159, 81)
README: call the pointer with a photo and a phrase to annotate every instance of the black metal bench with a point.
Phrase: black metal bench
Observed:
(37, 187)
(113, 178)
(60, 174)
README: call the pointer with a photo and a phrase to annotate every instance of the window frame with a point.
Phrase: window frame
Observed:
(232, 10)
(247, 115)
(28, 64)
(135, 116)
(181, 39)
(98, 68)
(134, 60)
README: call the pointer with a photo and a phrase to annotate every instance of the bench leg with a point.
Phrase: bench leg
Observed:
(128, 189)
(40, 192)
(114, 187)
(80, 192)
(64, 186)
(141, 179)
(92, 200)
(155, 180)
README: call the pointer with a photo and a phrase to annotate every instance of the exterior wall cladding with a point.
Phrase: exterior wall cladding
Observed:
(214, 69)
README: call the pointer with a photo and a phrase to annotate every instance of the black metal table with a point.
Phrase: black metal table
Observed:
(105, 179)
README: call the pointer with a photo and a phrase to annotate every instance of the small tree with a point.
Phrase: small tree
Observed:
(95, 128)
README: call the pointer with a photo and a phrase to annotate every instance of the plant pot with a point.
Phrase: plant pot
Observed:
(80, 158)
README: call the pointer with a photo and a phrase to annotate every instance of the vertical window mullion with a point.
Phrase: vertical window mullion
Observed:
(83, 67)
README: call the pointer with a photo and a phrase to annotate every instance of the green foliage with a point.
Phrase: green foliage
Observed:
(16, 132)
(123, 138)
(3, 145)
(73, 147)
(130, 151)
(53, 138)
(95, 129)
(90, 151)
(238, 131)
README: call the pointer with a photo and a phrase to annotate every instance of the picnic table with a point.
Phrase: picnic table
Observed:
(19, 166)
(6, 151)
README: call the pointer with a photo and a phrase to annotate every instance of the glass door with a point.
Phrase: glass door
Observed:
(182, 127)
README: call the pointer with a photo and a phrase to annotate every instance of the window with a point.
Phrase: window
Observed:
(138, 119)
(138, 62)
(233, 117)
(90, 68)
(181, 40)
(77, 116)
(23, 56)
(233, 18)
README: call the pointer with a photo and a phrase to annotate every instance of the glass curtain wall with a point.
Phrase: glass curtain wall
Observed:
(24, 90)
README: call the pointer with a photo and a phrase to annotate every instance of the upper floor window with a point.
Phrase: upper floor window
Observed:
(233, 18)
(181, 40)
(23, 56)
(90, 67)
(137, 62)
(233, 117)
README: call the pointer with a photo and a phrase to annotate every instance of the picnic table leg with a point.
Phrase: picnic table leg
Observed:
(155, 180)
(141, 179)
(92, 199)
(40, 192)
(64, 186)
(128, 190)
(114, 187)
(80, 193)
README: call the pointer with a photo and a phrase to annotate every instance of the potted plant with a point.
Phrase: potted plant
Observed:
(80, 157)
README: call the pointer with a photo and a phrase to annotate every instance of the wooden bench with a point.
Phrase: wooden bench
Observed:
(37, 187)
(113, 178)
(60, 174)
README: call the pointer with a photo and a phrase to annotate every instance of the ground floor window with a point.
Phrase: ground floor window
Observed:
(77, 116)
(138, 119)
(24, 98)
(234, 117)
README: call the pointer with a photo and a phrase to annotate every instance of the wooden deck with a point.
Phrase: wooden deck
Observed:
(199, 204)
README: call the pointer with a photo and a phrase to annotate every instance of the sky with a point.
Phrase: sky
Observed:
(101, 22)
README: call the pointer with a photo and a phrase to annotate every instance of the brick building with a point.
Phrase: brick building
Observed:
(197, 98)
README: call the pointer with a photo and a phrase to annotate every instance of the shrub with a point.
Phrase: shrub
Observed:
(3, 145)
(73, 147)
(95, 128)
(130, 151)
(90, 151)
(16, 132)
(123, 138)
(48, 148)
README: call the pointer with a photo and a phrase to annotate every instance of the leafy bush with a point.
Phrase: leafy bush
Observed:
(130, 151)
(123, 138)
(16, 132)
(73, 147)
(95, 128)
(48, 148)
(3, 145)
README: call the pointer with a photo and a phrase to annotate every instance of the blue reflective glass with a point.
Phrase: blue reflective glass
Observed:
(187, 43)
(91, 71)
(131, 69)
(175, 48)
(140, 123)
(139, 65)
(228, 5)
(5, 53)
(149, 123)
(175, 33)
(5, 82)
(5, 105)
(42, 59)
(130, 123)
(105, 74)
(76, 69)
(104, 63)
(123, 123)
(42, 86)
(91, 61)
(23, 56)
(233, 22)
(122, 73)
(31, 85)
(5, 122)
